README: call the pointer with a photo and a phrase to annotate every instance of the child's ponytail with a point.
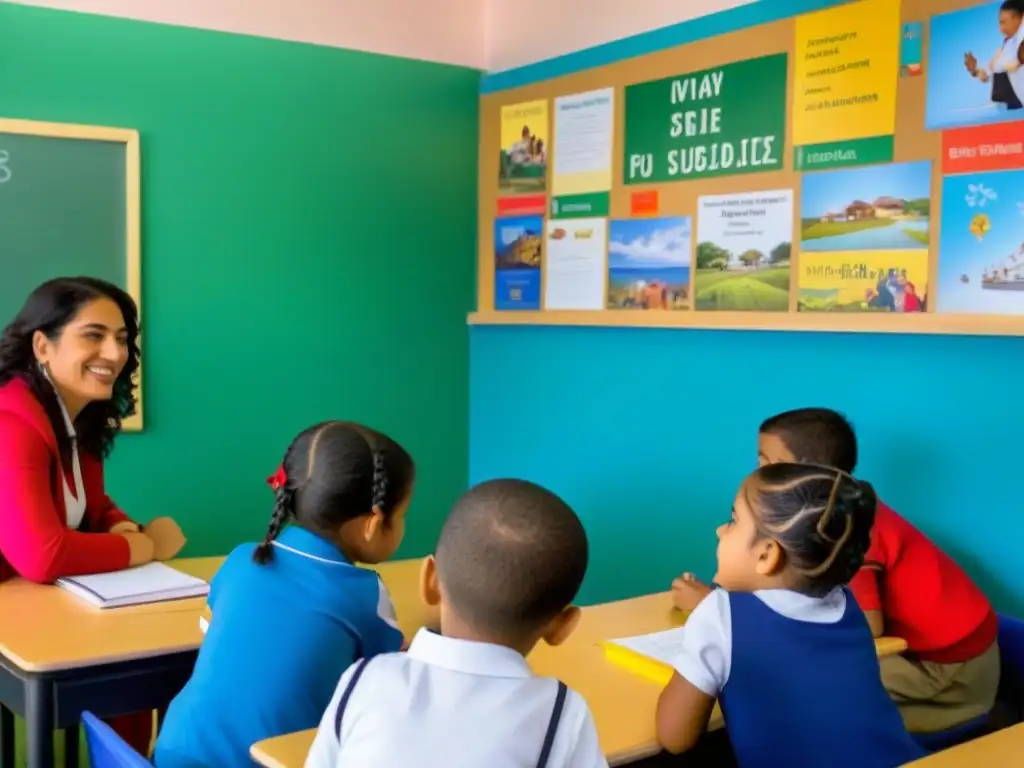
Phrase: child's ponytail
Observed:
(284, 509)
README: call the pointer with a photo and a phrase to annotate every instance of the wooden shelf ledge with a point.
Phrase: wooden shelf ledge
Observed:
(924, 323)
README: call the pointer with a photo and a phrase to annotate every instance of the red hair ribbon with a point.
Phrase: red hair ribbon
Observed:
(279, 479)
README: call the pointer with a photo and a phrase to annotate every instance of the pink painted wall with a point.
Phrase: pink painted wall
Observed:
(524, 31)
(449, 31)
(486, 34)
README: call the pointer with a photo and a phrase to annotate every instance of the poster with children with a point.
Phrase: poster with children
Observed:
(981, 244)
(974, 71)
(523, 165)
(649, 263)
(864, 235)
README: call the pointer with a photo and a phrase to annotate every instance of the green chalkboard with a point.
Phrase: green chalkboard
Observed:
(68, 206)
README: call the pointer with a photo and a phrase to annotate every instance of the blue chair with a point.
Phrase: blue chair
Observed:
(107, 749)
(1010, 697)
(1011, 677)
(937, 741)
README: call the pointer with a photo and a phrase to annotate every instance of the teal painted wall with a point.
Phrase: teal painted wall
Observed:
(307, 251)
(648, 433)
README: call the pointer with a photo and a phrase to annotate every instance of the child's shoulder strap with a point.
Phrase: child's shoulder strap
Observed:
(556, 716)
(343, 702)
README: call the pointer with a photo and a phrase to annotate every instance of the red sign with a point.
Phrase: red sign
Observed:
(515, 206)
(644, 203)
(998, 147)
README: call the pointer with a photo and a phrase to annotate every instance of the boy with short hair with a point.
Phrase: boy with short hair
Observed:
(908, 588)
(510, 559)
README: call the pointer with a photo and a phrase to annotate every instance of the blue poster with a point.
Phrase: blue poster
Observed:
(973, 75)
(517, 258)
(981, 246)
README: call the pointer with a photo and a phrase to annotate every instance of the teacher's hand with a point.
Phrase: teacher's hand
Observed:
(140, 548)
(166, 536)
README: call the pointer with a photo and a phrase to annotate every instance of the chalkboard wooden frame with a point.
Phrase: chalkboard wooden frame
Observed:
(133, 214)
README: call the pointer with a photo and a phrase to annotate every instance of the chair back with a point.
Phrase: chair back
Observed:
(107, 749)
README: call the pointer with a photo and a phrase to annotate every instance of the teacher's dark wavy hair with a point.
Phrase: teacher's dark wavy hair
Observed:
(49, 308)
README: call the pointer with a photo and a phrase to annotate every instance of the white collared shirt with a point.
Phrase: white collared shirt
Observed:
(705, 656)
(74, 498)
(453, 703)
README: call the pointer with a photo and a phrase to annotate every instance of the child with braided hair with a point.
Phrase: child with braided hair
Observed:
(290, 614)
(782, 644)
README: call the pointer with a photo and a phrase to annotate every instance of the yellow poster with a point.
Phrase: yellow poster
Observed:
(863, 281)
(524, 148)
(846, 66)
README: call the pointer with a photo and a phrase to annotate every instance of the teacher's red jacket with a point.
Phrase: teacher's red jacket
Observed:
(35, 542)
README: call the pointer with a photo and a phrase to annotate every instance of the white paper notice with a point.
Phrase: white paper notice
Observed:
(583, 142)
(661, 646)
(574, 266)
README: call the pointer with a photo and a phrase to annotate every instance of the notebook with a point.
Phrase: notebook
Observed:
(649, 656)
(151, 583)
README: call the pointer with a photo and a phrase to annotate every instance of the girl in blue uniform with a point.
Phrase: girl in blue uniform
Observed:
(782, 643)
(290, 614)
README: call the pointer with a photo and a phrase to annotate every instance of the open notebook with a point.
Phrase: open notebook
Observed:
(152, 583)
(648, 655)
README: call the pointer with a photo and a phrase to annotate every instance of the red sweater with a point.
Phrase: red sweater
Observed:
(926, 598)
(35, 542)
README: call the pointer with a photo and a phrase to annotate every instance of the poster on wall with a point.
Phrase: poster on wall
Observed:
(974, 76)
(981, 243)
(716, 122)
(846, 68)
(743, 251)
(523, 163)
(649, 263)
(575, 264)
(583, 134)
(864, 235)
(517, 262)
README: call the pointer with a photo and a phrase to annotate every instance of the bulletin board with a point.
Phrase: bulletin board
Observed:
(788, 176)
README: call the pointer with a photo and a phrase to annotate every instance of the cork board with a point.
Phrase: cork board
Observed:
(912, 142)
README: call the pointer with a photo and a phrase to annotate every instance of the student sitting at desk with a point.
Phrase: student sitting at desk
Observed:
(66, 367)
(509, 562)
(908, 588)
(289, 615)
(782, 644)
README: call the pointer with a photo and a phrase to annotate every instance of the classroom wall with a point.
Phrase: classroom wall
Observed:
(448, 31)
(303, 258)
(648, 433)
(521, 32)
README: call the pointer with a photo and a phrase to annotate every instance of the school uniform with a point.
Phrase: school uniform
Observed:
(280, 636)
(797, 679)
(450, 702)
(950, 672)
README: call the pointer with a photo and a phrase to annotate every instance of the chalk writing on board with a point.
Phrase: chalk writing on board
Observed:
(5, 169)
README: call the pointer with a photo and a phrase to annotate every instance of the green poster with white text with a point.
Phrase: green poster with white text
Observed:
(717, 122)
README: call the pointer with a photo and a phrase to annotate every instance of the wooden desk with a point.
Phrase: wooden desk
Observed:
(623, 703)
(1002, 748)
(61, 656)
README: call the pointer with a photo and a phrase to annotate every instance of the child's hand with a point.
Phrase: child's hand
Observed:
(687, 592)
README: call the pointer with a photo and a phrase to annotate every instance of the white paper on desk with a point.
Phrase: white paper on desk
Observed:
(150, 583)
(662, 646)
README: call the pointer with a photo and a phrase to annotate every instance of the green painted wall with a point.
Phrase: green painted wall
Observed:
(308, 250)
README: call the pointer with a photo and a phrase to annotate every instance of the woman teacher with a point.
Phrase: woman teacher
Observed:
(66, 367)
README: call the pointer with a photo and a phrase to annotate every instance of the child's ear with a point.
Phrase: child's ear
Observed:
(430, 592)
(769, 557)
(374, 524)
(563, 625)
